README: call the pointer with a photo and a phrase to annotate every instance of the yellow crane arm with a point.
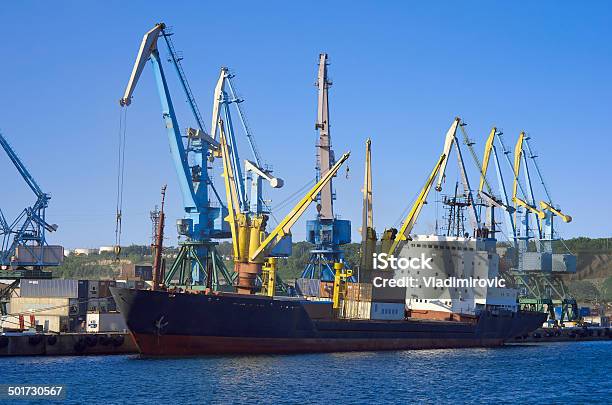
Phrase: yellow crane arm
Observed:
(518, 154)
(230, 190)
(486, 158)
(524, 204)
(448, 144)
(368, 234)
(410, 220)
(284, 227)
(367, 214)
(550, 208)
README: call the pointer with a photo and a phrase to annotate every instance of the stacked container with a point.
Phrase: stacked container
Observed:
(357, 301)
(56, 302)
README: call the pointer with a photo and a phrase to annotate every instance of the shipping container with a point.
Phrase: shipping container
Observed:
(53, 323)
(136, 271)
(352, 292)
(46, 255)
(127, 271)
(104, 288)
(47, 323)
(326, 289)
(93, 305)
(365, 291)
(93, 289)
(78, 323)
(351, 309)
(359, 291)
(597, 320)
(145, 272)
(45, 306)
(54, 288)
(537, 261)
(387, 311)
(386, 293)
(308, 287)
(563, 263)
(107, 322)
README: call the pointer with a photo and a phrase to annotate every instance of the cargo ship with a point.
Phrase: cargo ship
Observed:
(174, 324)
(183, 322)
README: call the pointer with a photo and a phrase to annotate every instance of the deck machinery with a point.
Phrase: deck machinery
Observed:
(326, 232)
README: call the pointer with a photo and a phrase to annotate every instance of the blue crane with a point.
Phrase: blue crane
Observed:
(198, 262)
(24, 239)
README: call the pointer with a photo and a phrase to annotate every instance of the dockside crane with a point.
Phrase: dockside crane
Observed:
(393, 238)
(529, 207)
(540, 272)
(253, 247)
(326, 232)
(493, 201)
(255, 172)
(450, 140)
(547, 206)
(368, 233)
(24, 251)
(197, 262)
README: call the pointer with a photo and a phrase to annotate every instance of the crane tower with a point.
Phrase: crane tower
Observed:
(326, 231)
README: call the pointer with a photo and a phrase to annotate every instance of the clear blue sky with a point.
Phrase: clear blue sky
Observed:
(401, 72)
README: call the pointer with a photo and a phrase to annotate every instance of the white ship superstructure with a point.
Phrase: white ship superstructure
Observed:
(459, 260)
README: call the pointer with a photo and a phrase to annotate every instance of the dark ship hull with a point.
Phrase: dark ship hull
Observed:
(169, 324)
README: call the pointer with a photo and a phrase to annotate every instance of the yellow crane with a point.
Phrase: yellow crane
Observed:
(518, 154)
(251, 245)
(547, 207)
(485, 160)
(391, 237)
(412, 216)
(487, 196)
(368, 234)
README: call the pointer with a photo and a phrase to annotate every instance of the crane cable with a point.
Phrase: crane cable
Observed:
(120, 179)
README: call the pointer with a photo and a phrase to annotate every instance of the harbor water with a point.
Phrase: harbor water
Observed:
(576, 372)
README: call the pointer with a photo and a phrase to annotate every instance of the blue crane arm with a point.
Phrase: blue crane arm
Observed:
(175, 139)
(22, 169)
(190, 157)
(148, 50)
(176, 61)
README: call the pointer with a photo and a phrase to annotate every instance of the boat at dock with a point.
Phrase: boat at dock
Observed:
(165, 323)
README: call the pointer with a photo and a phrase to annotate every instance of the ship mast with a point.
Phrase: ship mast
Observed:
(158, 275)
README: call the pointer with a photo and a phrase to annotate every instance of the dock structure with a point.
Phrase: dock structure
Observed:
(66, 344)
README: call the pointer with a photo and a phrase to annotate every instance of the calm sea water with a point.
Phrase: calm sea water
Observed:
(545, 374)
